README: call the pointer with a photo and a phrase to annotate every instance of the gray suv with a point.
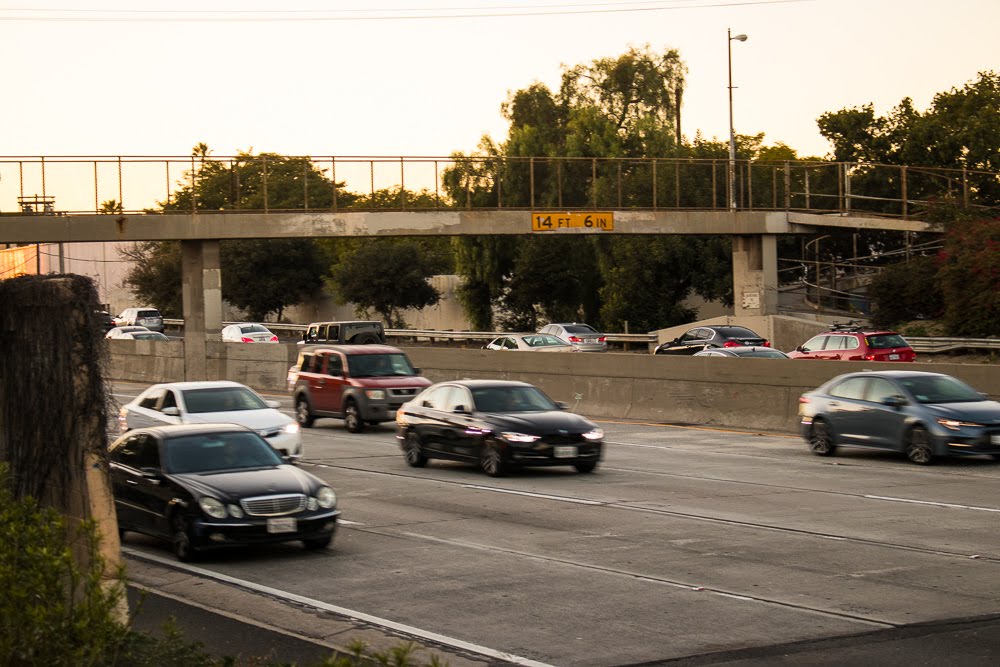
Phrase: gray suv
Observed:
(141, 317)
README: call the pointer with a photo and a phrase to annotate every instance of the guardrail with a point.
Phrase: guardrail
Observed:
(920, 344)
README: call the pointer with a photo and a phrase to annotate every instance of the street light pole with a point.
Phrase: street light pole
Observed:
(732, 133)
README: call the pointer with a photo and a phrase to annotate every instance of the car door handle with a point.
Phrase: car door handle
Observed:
(132, 482)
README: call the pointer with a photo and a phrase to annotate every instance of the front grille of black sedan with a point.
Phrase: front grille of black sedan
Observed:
(274, 505)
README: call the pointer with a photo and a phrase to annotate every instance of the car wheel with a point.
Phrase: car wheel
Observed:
(302, 413)
(821, 439)
(181, 541)
(491, 460)
(318, 542)
(414, 452)
(366, 339)
(586, 466)
(918, 446)
(352, 418)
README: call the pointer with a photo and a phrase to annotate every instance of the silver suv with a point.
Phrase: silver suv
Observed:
(583, 337)
(141, 317)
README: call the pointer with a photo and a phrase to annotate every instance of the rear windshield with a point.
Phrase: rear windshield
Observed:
(253, 328)
(881, 341)
(736, 332)
(148, 313)
(222, 399)
(580, 328)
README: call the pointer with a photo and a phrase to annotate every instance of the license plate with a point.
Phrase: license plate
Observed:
(281, 525)
(590, 340)
(564, 452)
(995, 439)
(893, 357)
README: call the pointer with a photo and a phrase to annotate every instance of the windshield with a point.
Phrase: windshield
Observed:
(253, 328)
(736, 332)
(764, 352)
(218, 451)
(940, 389)
(511, 399)
(379, 365)
(222, 399)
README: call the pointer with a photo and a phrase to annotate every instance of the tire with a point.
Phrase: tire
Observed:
(303, 415)
(491, 461)
(821, 439)
(414, 452)
(372, 422)
(366, 339)
(180, 541)
(318, 543)
(352, 418)
(586, 467)
(918, 446)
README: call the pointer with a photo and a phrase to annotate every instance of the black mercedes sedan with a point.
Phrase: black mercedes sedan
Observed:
(497, 425)
(204, 486)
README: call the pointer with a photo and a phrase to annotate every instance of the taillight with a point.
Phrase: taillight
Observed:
(575, 339)
(602, 339)
(803, 399)
(767, 343)
(246, 340)
(870, 357)
(732, 343)
(274, 339)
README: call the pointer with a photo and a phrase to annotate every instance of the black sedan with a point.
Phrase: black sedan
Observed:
(497, 425)
(707, 337)
(923, 415)
(205, 486)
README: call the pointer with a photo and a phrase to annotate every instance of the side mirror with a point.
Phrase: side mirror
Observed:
(171, 412)
(417, 371)
(562, 405)
(461, 410)
(801, 348)
(273, 404)
(894, 401)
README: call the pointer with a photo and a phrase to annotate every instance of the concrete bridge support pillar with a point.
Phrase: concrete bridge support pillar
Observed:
(201, 292)
(755, 275)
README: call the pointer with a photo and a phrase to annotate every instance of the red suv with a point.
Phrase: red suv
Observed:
(361, 384)
(850, 342)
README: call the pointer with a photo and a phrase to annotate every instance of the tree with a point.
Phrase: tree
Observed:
(264, 277)
(906, 291)
(384, 275)
(155, 276)
(970, 277)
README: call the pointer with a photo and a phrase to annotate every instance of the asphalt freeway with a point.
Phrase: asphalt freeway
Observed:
(687, 546)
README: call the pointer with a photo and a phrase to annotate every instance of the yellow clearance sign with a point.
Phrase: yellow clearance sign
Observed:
(549, 222)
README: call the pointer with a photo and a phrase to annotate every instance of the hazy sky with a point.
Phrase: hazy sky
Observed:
(272, 76)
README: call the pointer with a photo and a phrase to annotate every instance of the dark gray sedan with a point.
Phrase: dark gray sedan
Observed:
(923, 415)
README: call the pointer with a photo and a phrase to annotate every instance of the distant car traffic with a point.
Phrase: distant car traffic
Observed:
(497, 425)
(207, 402)
(143, 335)
(537, 342)
(105, 320)
(125, 332)
(207, 486)
(248, 333)
(712, 336)
(145, 317)
(361, 384)
(583, 337)
(743, 351)
(922, 415)
(851, 342)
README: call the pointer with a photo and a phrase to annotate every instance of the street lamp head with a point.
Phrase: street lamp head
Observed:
(739, 38)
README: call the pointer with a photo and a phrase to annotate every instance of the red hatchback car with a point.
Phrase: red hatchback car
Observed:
(855, 343)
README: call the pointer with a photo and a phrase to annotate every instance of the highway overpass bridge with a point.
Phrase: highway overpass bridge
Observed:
(554, 196)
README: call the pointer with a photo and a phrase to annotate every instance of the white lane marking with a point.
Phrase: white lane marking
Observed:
(345, 522)
(565, 499)
(935, 504)
(343, 611)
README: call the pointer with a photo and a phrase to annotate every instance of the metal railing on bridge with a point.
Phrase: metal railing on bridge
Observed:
(274, 183)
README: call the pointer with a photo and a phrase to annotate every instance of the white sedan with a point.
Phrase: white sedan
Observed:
(248, 333)
(535, 341)
(120, 332)
(212, 402)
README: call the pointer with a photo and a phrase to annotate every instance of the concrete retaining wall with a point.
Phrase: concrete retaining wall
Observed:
(742, 393)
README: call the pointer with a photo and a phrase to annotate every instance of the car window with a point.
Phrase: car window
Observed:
(436, 398)
(580, 329)
(880, 389)
(851, 343)
(149, 400)
(252, 328)
(139, 451)
(221, 399)
(511, 399)
(940, 389)
(882, 341)
(853, 388)
(458, 397)
(815, 343)
(148, 313)
(334, 365)
(379, 365)
(690, 335)
(169, 400)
